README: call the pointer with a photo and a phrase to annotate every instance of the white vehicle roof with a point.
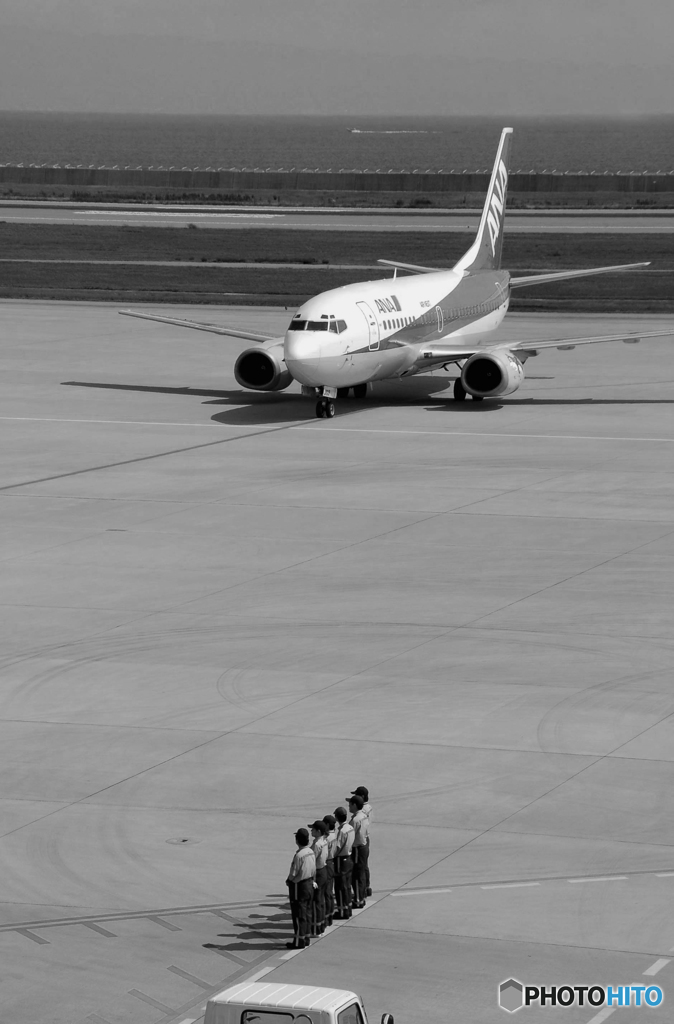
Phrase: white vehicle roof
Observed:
(296, 997)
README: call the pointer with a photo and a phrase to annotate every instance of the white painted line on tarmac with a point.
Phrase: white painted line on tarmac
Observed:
(657, 966)
(611, 878)
(509, 885)
(267, 970)
(291, 954)
(481, 433)
(420, 892)
(602, 1015)
(665, 874)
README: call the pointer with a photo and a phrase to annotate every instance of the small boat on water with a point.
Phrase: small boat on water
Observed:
(391, 131)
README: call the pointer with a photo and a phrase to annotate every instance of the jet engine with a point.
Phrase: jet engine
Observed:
(263, 369)
(492, 374)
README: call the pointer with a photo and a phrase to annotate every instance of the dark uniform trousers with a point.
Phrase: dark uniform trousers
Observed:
(301, 900)
(318, 920)
(330, 892)
(343, 898)
(359, 882)
(368, 891)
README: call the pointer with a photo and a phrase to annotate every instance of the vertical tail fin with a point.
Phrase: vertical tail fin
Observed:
(485, 252)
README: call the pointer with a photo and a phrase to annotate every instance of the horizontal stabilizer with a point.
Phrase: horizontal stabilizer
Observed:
(409, 266)
(232, 332)
(565, 275)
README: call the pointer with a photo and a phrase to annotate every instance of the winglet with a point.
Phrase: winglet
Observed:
(485, 252)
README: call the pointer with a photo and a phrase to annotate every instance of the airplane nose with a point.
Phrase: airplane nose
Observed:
(302, 352)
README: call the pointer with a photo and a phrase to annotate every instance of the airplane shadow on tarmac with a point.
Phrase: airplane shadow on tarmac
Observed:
(251, 408)
(505, 403)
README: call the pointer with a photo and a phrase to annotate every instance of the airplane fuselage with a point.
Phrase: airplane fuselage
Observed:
(373, 330)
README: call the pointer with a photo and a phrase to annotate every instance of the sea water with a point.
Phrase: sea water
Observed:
(334, 143)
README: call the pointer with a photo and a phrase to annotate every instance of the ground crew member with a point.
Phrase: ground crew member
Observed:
(367, 811)
(360, 850)
(300, 882)
(319, 831)
(331, 838)
(343, 865)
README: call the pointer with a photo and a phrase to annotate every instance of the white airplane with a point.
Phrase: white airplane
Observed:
(373, 330)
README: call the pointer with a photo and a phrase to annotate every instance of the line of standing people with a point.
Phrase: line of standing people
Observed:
(329, 876)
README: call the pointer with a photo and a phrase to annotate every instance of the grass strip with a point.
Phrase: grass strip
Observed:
(441, 249)
(649, 291)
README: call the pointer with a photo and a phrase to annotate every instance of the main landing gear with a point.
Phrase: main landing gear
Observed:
(460, 393)
(325, 409)
(359, 391)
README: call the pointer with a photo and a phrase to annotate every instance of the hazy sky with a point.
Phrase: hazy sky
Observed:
(339, 56)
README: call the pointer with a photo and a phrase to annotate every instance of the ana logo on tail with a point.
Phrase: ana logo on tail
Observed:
(496, 206)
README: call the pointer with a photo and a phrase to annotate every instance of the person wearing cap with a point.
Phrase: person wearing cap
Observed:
(360, 850)
(367, 811)
(367, 806)
(331, 838)
(300, 882)
(320, 847)
(343, 865)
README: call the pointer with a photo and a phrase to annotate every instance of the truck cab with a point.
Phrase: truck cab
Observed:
(259, 1003)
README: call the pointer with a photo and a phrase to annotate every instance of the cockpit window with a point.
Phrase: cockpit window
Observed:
(334, 326)
(308, 325)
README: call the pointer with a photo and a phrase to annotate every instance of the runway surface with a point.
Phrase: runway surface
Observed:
(528, 221)
(220, 615)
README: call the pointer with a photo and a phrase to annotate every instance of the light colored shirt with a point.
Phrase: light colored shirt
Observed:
(345, 838)
(361, 828)
(367, 811)
(332, 843)
(320, 848)
(303, 865)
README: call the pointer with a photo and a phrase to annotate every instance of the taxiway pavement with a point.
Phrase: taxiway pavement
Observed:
(518, 221)
(220, 615)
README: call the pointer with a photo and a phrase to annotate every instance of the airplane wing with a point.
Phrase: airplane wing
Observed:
(447, 353)
(565, 275)
(232, 332)
(569, 343)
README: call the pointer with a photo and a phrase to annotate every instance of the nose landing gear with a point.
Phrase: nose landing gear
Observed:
(325, 406)
(325, 409)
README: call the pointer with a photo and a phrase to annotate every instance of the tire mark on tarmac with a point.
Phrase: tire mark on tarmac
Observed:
(149, 458)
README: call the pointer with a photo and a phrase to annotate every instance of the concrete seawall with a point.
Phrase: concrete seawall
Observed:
(341, 181)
